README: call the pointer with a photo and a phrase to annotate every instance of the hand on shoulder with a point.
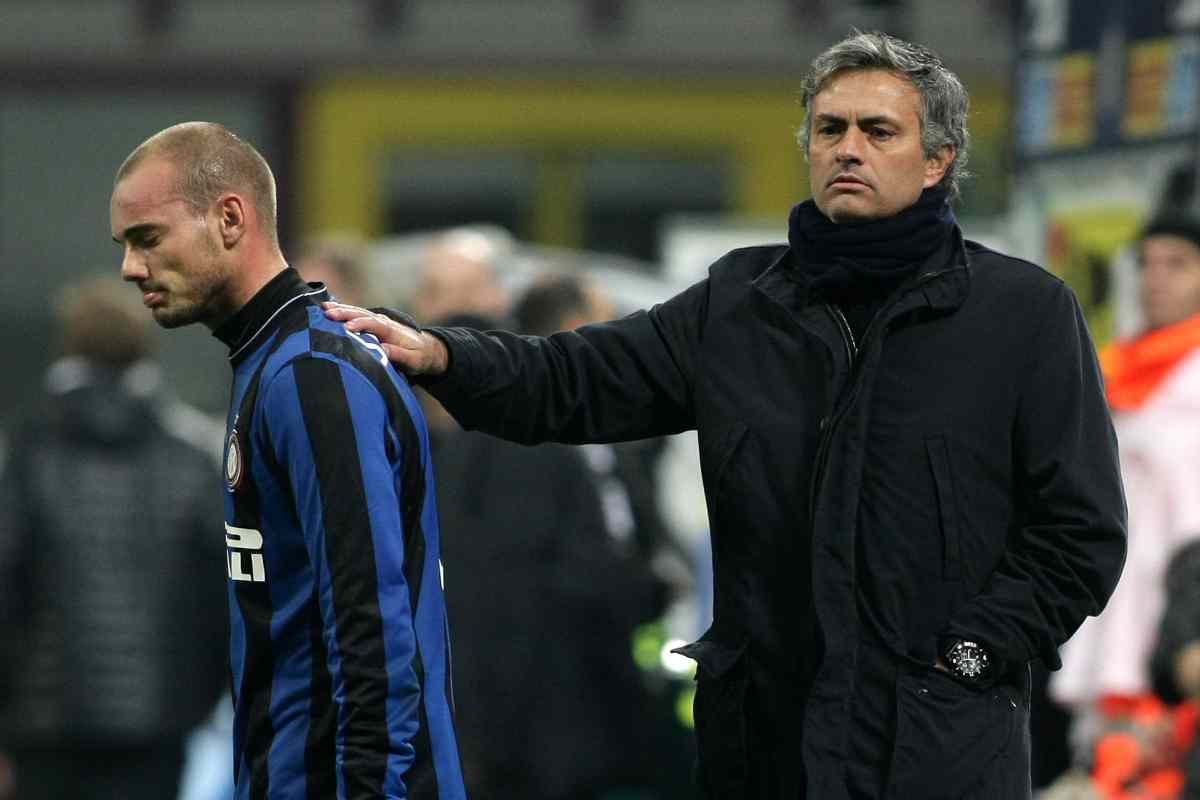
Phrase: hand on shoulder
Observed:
(409, 349)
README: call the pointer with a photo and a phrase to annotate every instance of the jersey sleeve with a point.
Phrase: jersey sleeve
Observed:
(327, 427)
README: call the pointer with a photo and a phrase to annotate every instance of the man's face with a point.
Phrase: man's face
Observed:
(172, 252)
(1170, 280)
(865, 156)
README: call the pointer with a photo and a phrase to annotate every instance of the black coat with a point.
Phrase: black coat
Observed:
(113, 612)
(955, 473)
(541, 609)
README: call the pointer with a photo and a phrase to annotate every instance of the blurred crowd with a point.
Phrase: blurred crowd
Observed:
(560, 565)
(566, 568)
(1130, 680)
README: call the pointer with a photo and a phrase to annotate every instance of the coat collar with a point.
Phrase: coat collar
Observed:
(252, 321)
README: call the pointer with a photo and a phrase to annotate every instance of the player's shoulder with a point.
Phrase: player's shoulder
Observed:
(328, 341)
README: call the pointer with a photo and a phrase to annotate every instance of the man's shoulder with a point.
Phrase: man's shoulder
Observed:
(1004, 284)
(326, 340)
(747, 262)
(324, 363)
(1004, 269)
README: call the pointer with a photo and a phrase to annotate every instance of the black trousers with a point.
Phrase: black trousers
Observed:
(150, 772)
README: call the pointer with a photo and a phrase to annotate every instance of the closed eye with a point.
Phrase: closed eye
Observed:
(143, 237)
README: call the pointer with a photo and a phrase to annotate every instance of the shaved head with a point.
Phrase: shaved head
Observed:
(210, 160)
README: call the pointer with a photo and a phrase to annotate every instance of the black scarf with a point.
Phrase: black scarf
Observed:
(868, 256)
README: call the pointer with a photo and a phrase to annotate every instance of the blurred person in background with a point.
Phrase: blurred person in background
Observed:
(542, 670)
(338, 260)
(1153, 387)
(625, 473)
(459, 277)
(909, 465)
(643, 549)
(1175, 660)
(113, 629)
(340, 658)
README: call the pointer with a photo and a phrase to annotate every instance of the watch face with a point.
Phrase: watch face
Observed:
(971, 664)
(969, 659)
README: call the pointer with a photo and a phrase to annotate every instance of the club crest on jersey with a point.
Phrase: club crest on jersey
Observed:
(234, 463)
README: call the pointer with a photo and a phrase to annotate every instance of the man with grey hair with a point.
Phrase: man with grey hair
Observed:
(909, 466)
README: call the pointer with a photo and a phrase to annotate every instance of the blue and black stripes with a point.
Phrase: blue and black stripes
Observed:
(334, 693)
(347, 548)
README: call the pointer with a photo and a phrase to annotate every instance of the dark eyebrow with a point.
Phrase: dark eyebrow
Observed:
(863, 122)
(135, 232)
(879, 119)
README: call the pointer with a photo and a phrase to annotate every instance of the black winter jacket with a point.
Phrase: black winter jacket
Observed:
(952, 474)
(546, 661)
(113, 617)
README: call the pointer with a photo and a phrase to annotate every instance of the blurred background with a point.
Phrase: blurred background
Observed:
(629, 142)
(658, 132)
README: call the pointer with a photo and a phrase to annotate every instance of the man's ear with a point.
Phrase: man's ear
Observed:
(936, 165)
(231, 219)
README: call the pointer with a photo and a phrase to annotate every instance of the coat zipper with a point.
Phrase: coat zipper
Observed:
(827, 434)
(847, 332)
(852, 351)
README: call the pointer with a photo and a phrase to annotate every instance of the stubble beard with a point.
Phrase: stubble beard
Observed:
(202, 301)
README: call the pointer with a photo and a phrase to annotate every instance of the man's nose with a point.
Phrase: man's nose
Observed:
(133, 267)
(849, 148)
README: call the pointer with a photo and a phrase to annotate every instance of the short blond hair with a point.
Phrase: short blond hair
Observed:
(211, 159)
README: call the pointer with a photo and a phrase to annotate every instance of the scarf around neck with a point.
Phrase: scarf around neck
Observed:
(1134, 369)
(833, 257)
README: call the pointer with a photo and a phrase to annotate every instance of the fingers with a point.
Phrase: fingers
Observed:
(404, 358)
(387, 331)
(343, 312)
(405, 347)
(360, 320)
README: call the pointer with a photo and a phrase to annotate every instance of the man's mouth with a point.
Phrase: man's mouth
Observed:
(846, 179)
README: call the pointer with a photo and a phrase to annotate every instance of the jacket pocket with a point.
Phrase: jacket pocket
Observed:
(722, 678)
(954, 742)
(948, 508)
(718, 450)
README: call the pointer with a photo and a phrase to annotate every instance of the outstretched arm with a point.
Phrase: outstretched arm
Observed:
(626, 379)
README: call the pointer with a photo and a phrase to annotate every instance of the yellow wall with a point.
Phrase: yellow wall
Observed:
(350, 126)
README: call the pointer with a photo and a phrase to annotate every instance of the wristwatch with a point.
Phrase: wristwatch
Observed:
(969, 662)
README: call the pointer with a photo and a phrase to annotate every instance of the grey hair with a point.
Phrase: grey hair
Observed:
(944, 102)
